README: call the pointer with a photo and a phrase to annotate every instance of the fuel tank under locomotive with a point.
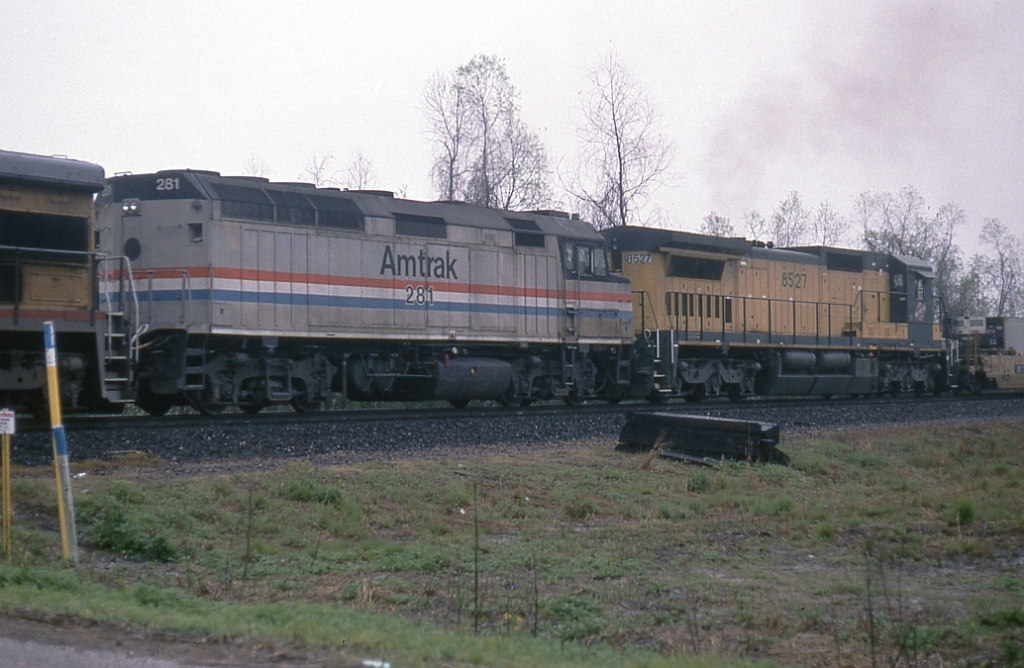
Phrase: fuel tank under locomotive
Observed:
(458, 380)
(793, 372)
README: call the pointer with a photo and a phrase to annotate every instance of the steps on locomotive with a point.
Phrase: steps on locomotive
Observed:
(117, 359)
(659, 378)
(195, 361)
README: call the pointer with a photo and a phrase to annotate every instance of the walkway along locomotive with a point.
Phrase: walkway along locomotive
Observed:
(252, 293)
(48, 271)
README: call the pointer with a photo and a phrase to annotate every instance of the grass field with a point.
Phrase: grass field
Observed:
(902, 546)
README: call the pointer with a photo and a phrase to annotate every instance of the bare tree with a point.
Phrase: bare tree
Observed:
(360, 174)
(788, 225)
(1001, 277)
(945, 254)
(484, 153)
(967, 296)
(757, 226)
(447, 112)
(716, 226)
(522, 181)
(828, 227)
(896, 223)
(790, 221)
(624, 153)
(255, 166)
(900, 224)
(319, 170)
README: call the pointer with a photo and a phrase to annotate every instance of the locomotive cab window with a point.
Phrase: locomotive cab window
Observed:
(580, 260)
(569, 257)
(584, 261)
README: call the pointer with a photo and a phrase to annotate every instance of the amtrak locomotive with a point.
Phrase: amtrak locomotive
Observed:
(251, 293)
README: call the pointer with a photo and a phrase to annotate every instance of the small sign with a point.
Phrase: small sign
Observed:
(6, 421)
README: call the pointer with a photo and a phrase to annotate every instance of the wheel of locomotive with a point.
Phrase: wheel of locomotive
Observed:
(153, 404)
(713, 385)
(697, 394)
(508, 399)
(303, 405)
(459, 403)
(657, 397)
(198, 400)
(252, 409)
(735, 392)
(573, 399)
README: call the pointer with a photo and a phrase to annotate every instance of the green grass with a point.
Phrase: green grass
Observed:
(582, 556)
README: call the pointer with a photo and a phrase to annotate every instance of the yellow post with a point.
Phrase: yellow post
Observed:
(65, 505)
(7, 429)
(8, 511)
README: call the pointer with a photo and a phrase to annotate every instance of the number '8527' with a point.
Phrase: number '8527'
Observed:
(794, 279)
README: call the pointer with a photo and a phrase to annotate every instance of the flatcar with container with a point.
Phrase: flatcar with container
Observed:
(987, 353)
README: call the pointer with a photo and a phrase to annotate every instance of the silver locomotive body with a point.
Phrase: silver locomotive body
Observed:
(249, 293)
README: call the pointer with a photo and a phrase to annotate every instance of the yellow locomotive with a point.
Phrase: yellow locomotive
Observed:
(727, 315)
(48, 270)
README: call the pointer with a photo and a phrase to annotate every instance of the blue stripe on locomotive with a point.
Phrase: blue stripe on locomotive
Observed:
(286, 299)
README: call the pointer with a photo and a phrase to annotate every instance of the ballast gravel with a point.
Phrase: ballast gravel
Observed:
(440, 434)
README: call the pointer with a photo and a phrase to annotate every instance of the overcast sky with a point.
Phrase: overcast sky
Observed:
(759, 98)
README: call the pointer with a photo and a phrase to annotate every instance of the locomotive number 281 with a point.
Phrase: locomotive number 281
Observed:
(418, 295)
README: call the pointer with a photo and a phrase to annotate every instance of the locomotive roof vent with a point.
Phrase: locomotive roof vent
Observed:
(550, 212)
(295, 184)
(523, 225)
(378, 193)
(203, 172)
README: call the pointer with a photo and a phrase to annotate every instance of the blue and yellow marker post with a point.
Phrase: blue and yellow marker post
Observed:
(7, 429)
(65, 505)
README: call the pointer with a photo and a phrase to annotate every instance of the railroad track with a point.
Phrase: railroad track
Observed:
(718, 406)
(242, 442)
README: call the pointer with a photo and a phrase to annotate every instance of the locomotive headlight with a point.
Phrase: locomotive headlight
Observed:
(130, 207)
